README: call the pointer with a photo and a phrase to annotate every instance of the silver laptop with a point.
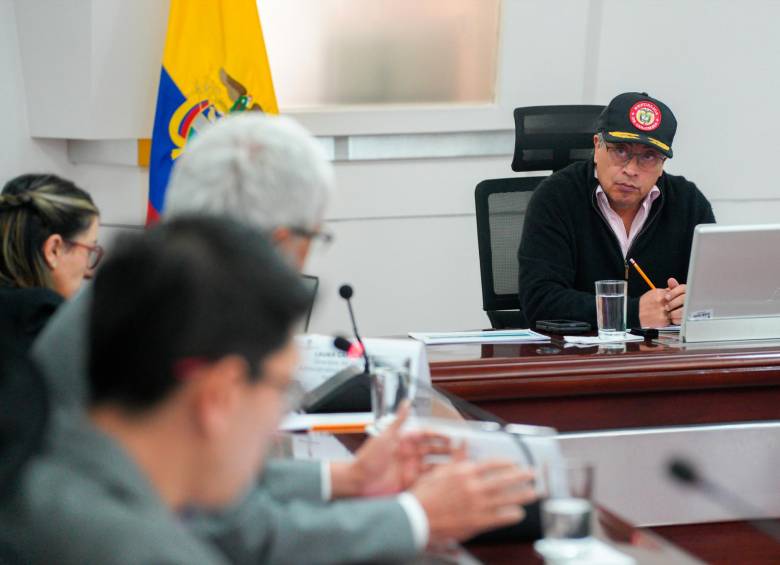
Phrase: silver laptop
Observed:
(312, 284)
(733, 284)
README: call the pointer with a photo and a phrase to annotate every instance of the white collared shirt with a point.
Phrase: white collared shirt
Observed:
(415, 513)
(616, 222)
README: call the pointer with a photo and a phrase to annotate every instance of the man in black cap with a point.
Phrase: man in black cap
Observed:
(585, 222)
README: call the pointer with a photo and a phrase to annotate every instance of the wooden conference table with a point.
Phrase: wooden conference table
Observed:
(640, 384)
(646, 547)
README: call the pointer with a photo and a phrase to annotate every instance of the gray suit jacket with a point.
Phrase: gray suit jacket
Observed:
(284, 519)
(85, 501)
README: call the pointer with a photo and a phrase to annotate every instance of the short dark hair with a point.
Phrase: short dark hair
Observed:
(33, 207)
(194, 287)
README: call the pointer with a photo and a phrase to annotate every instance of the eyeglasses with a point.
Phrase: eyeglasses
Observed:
(95, 253)
(323, 237)
(646, 160)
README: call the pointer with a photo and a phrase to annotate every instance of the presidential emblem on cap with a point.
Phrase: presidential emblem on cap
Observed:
(645, 116)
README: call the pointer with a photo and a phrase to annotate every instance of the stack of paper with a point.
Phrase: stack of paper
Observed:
(489, 336)
(589, 341)
(347, 422)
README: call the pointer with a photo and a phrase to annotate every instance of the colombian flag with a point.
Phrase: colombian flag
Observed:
(214, 63)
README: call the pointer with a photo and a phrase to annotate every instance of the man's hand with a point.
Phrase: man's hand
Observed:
(675, 300)
(389, 463)
(662, 306)
(652, 309)
(464, 498)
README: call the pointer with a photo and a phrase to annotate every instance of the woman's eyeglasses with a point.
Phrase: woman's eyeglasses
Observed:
(95, 252)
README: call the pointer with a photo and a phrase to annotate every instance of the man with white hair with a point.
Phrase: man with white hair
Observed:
(267, 171)
(271, 173)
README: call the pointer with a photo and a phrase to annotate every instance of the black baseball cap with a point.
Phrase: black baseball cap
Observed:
(635, 117)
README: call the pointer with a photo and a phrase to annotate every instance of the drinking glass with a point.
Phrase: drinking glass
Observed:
(390, 387)
(611, 309)
(567, 510)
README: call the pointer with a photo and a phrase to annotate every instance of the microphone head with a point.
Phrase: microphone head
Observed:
(683, 472)
(345, 291)
(342, 344)
(353, 350)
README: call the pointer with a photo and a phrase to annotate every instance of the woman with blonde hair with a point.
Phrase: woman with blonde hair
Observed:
(48, 240)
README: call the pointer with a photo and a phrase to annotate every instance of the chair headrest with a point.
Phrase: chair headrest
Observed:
(549, 138)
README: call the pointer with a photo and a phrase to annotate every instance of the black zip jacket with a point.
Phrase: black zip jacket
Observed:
(24, 312)
(567, 245)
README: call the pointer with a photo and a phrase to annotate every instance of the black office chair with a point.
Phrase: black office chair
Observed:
(501, 205)
(547, 138)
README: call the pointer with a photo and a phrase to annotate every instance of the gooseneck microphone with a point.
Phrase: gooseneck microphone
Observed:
(349, 390)
(346, 292)
(686, 474)
(464, 406)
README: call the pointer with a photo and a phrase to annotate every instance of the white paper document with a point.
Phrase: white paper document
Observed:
(596, 553)
(529, 446)
(313, 422)
(589, 341)
(484, 440)
(320, 360)
(489, 336)
(319, 447)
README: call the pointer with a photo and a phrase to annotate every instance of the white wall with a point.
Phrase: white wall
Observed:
(406, 239)
(19, 153)
(405, 229)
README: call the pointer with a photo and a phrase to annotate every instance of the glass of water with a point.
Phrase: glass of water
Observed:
(390, 386)
(567, 510)
(611, 309)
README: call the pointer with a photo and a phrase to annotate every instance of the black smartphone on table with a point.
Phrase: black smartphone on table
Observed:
(563, 327)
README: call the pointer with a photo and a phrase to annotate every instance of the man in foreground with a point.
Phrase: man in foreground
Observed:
(191, 359)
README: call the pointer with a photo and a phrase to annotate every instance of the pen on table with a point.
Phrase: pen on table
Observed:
(340, 428)
(642, 273)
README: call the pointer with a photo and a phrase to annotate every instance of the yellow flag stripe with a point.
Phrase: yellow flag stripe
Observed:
(209, 35)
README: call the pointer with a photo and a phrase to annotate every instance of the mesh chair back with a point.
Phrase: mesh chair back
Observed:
(501, 206)
(548, 138)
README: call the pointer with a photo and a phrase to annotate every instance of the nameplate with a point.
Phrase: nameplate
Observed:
(320, 360)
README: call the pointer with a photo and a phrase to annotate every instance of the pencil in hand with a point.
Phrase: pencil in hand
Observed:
(642, 273)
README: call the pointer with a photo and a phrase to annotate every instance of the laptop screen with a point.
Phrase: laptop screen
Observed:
(312, 283)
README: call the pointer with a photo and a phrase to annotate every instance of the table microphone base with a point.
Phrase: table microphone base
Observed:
(346, 391)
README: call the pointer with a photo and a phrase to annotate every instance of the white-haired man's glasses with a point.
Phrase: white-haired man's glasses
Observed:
(322, 237)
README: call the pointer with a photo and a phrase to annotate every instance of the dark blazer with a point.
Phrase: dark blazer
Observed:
(284, 519)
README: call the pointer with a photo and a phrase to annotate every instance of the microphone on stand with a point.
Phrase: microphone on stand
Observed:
(346, 292)
(353, 350)
(348, 390)
(686, 474)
